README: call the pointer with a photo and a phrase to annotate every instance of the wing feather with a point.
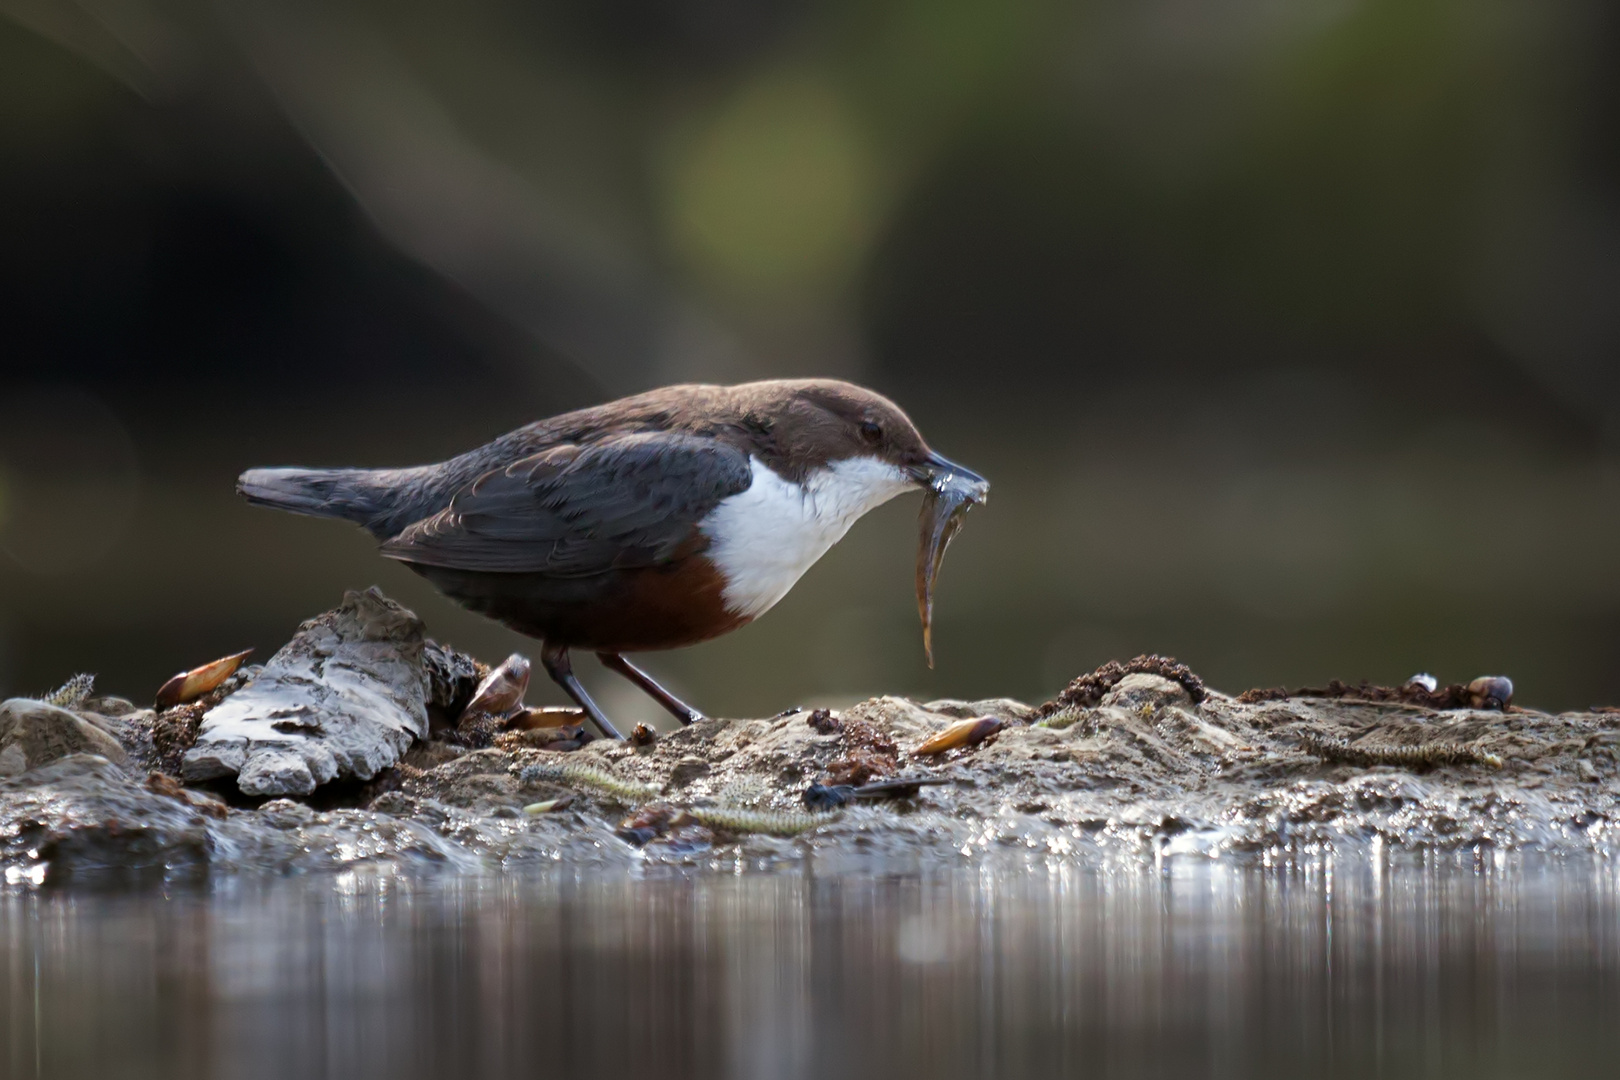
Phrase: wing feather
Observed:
(574, 511)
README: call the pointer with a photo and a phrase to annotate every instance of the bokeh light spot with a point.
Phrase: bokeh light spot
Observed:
(775, 189)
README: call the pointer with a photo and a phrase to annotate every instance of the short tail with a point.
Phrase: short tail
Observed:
(335, 493)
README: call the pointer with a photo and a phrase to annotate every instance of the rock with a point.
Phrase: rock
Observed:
(1014, 712)
(107, 705)
(271, 771)
(33, 733)
(686, 770)
(81, 816)
(428, 755)
(480, 780)
(112, 725)
(159, 741)
(1160, 767)
(206, 801)
(82, 819)
(1219, 778)
(1139, 690)
(344, 698)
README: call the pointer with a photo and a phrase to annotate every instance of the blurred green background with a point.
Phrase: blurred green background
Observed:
(1286, 329)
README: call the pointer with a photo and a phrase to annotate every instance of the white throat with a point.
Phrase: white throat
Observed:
(765, 538)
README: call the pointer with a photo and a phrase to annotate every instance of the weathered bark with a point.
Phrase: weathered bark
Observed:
(344, 698)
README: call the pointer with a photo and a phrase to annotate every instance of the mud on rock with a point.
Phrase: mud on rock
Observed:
(1137, 760)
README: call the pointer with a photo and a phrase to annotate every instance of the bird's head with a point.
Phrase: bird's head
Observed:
(807, 425)
(859, 449)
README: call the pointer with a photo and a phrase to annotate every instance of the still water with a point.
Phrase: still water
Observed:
(1332, 967)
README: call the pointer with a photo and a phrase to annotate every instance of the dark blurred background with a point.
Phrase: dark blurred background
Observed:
(1286, 329)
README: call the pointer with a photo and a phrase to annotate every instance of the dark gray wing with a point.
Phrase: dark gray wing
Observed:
(574, 510)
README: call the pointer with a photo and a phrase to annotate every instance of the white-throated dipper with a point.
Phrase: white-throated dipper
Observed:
(652, 522)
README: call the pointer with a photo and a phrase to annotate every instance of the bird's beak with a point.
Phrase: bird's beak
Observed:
(950, 492)
(941, 473)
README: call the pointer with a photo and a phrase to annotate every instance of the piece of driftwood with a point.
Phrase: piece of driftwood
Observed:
(344, 698)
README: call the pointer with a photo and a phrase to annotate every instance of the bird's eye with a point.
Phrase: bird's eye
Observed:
(871, 431)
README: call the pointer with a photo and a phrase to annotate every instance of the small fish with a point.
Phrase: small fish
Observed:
(1490, 692)
(969, 732)
(945, 504)
(535, 809)
(193, 684)
(502, 689)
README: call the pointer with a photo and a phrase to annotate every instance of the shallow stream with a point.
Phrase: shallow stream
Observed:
(1455, 965)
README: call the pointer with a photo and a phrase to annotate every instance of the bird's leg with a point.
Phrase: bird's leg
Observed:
(677, 708)
(555, 660)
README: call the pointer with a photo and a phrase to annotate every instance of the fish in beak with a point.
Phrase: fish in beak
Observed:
(949, 492)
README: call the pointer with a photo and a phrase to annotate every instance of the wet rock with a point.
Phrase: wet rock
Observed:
(1139, 762)
(481, 779)
(477, 801)
(33, 734)
(344, 698)
(82, 816)
(1013, 712)
(205, 801)
(339, 839)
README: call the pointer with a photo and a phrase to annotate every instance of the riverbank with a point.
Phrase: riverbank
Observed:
(349, 748)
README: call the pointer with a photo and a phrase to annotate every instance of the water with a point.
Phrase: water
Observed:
(1332, 968)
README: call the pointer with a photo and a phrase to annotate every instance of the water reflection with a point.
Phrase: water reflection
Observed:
(1202, 969)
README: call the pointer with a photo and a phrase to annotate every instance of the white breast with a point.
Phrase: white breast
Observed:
(765, 538)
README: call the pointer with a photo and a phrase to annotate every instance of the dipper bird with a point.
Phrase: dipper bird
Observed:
(652, 522)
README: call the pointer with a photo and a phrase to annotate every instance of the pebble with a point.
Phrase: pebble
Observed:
(33, 733)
